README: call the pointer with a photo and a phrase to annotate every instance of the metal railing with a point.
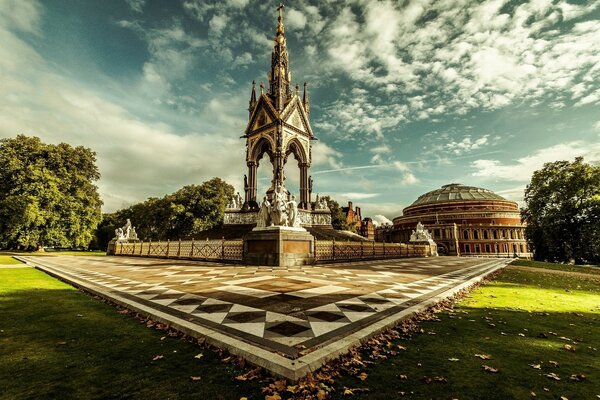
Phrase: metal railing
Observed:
(213, 250)
(332, 250)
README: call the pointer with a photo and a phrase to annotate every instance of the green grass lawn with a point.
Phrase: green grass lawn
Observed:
(589, 269)
(59, 343)
(8, 260)
(8, 255)
(522, 320)
(56, 342)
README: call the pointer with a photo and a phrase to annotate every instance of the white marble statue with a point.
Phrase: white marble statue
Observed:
(421, 234)
(264, 218)
(126, 232)
(293, 219)
(279, 207)
(239, 200)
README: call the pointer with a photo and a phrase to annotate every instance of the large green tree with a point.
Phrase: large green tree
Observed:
(47, 194)
(563, 212)
(180, 215)
(338, 217)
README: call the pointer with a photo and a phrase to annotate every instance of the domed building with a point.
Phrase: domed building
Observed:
(465, 221)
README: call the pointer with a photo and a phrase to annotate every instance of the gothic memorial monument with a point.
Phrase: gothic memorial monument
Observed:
(278, 126)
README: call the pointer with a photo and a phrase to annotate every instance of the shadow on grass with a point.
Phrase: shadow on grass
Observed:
(65, 344)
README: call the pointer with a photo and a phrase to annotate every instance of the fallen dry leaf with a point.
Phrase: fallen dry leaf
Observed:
(578, 377)
(454, 359)
(483, 356)
(362, 376)
(553, 363)
(163, 338)
(157, 358)
(195, 378)
(199, 356)
(403, 377)
(536, 366)
(552, 375)
(570, 348)
(487, 368)
(274, 396)
(250, 375)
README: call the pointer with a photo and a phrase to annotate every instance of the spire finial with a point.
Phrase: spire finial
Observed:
(280, 18)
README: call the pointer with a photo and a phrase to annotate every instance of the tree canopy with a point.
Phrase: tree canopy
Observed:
(47, 194)
(338, 218)
(563, 212)
(180, 215)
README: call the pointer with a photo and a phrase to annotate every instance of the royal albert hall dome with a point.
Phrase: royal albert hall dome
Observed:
(465, 220)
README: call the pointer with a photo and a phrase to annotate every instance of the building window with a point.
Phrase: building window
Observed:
(475, 234)
(436, 233)
(485, 234)
(522, 248)
(477, 249)
(506, 247)
(467, 248)
(496, 247)
(495, 233)
(465, 234)
(487, 248)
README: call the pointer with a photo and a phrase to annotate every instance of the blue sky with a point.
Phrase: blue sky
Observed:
(405, 96)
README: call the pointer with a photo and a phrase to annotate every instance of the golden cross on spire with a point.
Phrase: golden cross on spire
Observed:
(280, 9)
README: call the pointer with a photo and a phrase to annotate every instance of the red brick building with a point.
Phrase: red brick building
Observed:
(367, 229)
(353, 217)
(465, 220)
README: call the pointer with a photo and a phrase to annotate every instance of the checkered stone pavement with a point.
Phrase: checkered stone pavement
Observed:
(290, 311)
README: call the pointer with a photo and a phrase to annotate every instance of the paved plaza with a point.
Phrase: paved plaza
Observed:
(288, 320)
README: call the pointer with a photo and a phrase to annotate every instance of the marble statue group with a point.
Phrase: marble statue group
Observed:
(420, 234)
(236, 201)
(127, 232)
(283, 211)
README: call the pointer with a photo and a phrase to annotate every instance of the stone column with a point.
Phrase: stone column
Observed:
(251, 193)
(304, 196)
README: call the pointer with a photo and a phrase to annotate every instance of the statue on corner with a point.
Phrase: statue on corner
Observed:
(126, 232)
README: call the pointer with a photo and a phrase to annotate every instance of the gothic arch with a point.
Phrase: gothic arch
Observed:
(262, 146)
(295, 147)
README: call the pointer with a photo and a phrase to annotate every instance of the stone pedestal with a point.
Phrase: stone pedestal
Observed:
(112, 245)
(429, 242)
(279, 246)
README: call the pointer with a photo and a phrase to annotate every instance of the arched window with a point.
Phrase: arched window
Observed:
(475, 234)
(485, 234)
(465, 234)
(495, 233)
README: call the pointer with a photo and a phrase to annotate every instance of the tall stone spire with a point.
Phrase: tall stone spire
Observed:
(252, 102)
(280, 75)
(305, 100)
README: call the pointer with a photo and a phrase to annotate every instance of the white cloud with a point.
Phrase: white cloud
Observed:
(467, 144)
(379, 220)
(324, 155)
(20, 15)
(295, 20)
(358, 196)
(136, 5)
(521, 169)
(136, 158)
(217, 23)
